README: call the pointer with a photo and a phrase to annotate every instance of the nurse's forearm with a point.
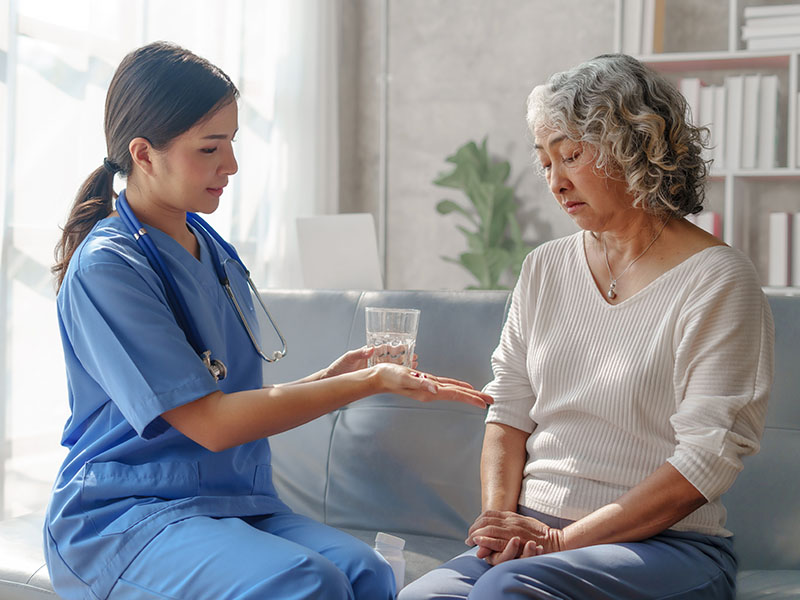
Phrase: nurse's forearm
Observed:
(502, 464)
(220, 421)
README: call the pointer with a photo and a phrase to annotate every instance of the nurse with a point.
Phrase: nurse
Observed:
(167, 490)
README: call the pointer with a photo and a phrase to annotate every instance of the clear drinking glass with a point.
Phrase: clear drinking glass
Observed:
(393, 333)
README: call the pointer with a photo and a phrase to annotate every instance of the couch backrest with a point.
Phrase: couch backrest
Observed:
(378, 464)
(387, 462)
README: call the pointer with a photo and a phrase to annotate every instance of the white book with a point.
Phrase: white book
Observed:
(706, 118)
(773, 21)
(771, 11)
(750, 116)
(734, 91)
(632, 26)
(767, 122)
(718, 138)
(690, 88)
(797, 133)
(796, 250)
(780, 237)
(650, 20)
(774, 43)
(750, 32)
(710, 221)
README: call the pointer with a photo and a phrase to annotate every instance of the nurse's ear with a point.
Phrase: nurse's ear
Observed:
(142, 154)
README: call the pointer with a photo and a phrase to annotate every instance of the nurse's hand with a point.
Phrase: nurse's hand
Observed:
(424, 387)
(354, 361)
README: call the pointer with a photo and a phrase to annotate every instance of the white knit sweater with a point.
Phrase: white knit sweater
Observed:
(679, 372)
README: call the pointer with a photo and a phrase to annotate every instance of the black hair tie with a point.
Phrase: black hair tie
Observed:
(110, 166)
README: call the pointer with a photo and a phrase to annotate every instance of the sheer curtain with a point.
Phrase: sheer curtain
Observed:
(56, 60)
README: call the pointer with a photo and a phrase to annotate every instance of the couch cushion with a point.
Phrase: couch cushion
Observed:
(23, 574)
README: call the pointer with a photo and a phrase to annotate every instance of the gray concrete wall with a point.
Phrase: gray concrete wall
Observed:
(459, 70)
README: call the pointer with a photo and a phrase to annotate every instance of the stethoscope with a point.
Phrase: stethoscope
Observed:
(174, 296)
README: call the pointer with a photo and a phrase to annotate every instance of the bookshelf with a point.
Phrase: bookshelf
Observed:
(743, 196)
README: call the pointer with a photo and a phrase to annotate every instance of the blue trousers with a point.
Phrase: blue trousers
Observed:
(674, 565)
(285, 556)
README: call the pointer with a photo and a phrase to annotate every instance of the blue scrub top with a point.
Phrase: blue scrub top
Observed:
(128, 474)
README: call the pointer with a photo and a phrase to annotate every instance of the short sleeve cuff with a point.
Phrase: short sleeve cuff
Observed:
(711, 474)
(506, 415)
(149, 423)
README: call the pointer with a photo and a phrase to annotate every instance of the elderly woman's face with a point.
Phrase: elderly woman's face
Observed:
(592, 199)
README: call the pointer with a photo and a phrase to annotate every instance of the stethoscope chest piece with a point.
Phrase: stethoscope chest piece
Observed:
(216, 367)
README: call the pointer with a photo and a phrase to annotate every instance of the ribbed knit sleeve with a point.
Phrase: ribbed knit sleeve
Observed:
(723, 372)
(511, 384)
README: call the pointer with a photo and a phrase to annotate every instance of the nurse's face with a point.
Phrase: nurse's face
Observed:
(192, 172)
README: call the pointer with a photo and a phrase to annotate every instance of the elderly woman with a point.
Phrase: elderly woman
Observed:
(633, 370)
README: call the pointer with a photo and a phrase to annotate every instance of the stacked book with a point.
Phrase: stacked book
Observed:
(742, 116)
(643, 26)
(784, 249)
(771, 27)
(709, 220)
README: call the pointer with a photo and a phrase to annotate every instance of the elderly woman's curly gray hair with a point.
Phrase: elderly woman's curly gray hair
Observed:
(636, 120)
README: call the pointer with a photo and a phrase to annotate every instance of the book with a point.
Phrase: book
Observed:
(750, 32)
(780, 239)
(709, 221)
(779, 10)
(690, 89)
(797, 133)
(706, 118)
(767, 122)
(718, 131)
(750, 115)
(632, 26)
(734, 92)
(653, 26)
(766, 22)
(774, 43)
(795, 260)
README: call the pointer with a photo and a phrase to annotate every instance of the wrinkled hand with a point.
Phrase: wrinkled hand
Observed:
(354, 361)
(425, 387)
(505, 535)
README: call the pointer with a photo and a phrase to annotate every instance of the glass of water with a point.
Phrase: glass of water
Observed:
(393, 333)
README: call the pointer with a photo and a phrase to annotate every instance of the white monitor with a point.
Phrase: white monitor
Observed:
(339, 252)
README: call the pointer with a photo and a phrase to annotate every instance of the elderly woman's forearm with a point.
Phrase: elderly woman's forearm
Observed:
(502, 465)
(657, 503)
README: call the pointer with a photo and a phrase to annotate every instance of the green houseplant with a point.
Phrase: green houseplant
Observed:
(495, 244)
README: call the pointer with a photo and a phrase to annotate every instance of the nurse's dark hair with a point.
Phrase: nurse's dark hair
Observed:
(158, 92)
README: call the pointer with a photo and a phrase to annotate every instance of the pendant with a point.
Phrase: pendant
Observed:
(611, 293)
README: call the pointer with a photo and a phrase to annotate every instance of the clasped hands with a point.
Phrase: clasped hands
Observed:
(505, 535)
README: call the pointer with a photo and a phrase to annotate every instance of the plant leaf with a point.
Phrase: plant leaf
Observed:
(476, 264)
(473, 239)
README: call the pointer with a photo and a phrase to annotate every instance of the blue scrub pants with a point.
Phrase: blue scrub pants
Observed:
(285, 556)
(674, 565)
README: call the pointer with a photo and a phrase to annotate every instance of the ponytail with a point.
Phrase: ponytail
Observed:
(93, 203)
(158, 92)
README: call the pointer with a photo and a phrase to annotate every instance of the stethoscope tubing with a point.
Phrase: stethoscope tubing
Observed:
(174, 296)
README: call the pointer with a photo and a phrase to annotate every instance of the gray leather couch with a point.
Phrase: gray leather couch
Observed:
(389, 464)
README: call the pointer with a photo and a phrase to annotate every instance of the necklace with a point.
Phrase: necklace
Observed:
(612, 286)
